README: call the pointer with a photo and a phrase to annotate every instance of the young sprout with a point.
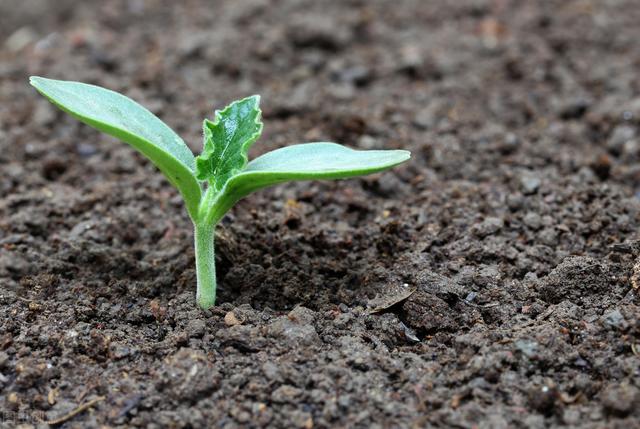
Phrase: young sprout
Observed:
(214, 181)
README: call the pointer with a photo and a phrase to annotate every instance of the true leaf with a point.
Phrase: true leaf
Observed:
(123, 118)
(227, 139)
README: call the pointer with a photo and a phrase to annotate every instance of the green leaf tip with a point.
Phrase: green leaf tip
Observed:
(227, 140)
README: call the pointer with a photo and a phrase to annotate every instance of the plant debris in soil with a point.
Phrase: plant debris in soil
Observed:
(501, 262)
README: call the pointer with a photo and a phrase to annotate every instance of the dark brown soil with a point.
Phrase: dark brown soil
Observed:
(487, 283)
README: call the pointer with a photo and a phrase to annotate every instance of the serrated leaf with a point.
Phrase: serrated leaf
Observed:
(227, 140)
(306, 161)
(123, 118)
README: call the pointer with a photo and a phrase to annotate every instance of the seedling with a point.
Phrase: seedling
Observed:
(214, 181)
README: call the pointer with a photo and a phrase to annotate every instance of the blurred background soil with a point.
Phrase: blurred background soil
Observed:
(487, 283)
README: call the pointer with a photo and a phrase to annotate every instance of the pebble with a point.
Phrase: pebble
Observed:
(510, 144)
(489, 226)
(368, 142)
(4, 358)
(529, 183)
(410, 57)
(286, 393)
(43, 114)
(532, 220)
(230, 319)
(575, 108)
(614, 319)
(86, 150)
(515, 201)
(528, 348)
(471, 296)
(620, 136)
(549, 237)
(271, 371)
(427, 117)
(20, 38)
(120, 351)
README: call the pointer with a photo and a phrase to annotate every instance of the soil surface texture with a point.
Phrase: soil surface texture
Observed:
(490, 282)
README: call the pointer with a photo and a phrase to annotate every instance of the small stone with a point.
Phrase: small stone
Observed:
(230, 319)
(529, 183)
(489, 226)
(619, 137)
(601, 166)
(368, 142)
(532, 220)
(574, 108)
(86, 150)
(510, 144)
(119, 351)
(52, 396)
(4, 359)
(80, 229)
(415, 64)
(271, 371)
(549, 237)
(286, 394)
(631, 147)
(614, 319)
(426, 118)
(528, 348)
(20, 38)
(243, 417)
(43, 114)
(410, 57)
(390, 185)
(515, 201)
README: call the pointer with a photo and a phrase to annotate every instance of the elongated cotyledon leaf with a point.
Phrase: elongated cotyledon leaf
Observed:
(307, 161)
(123, 118)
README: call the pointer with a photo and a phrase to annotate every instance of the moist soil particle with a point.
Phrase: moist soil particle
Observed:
(486, 283)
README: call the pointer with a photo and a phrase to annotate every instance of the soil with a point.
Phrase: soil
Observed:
(487, 283)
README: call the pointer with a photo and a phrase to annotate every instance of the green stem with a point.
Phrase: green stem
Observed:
(205, 264)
